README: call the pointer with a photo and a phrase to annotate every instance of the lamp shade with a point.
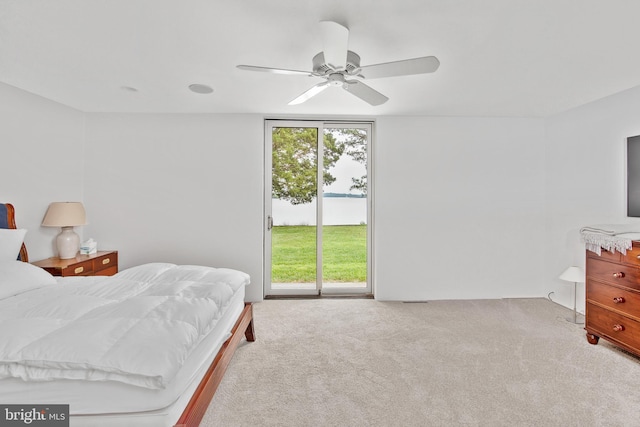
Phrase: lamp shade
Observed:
(573, 274)
(65, 214)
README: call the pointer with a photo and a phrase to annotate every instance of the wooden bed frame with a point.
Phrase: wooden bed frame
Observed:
(201, 398)
(197, 406)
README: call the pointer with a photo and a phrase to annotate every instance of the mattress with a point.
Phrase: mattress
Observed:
(110, 402)
(168, 415)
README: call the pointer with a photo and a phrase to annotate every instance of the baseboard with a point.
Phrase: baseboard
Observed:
(333, 296)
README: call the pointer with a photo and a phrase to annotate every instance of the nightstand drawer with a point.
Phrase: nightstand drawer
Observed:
(79, 269)
(106, 265)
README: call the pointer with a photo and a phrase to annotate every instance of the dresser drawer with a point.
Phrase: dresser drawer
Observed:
(617, 274)
(606, 255)
(619, 299)
(84, 268)
(613, 326)
(633, 256)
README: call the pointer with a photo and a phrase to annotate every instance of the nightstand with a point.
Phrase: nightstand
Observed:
(102, 263)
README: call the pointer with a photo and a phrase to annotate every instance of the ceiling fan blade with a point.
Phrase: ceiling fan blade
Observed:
(364, 92)
(274, 70)
(335, 42)
(310, 93)
(426, 64)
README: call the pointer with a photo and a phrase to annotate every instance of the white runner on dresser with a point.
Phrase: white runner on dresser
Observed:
(611, 237)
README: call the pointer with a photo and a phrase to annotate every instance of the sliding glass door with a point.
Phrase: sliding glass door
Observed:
(317, 203)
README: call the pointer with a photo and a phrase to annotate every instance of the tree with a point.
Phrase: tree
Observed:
(294, 159)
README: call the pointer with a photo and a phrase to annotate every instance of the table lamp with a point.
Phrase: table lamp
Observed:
(66, 215)
(575, 275)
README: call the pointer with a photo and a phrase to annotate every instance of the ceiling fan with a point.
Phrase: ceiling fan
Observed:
(336, 62)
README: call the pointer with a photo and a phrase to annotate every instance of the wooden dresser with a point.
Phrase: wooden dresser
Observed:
(613, 298)
(103, 263)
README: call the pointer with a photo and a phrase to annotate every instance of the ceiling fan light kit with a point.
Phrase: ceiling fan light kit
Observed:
(336, 62)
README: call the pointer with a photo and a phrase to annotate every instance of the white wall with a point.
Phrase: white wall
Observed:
(459, 206)
(41, 158)
(465, 207)
(585, 180)
(456, 199)
(186, 189)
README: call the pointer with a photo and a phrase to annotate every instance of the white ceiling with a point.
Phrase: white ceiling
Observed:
(525, 58)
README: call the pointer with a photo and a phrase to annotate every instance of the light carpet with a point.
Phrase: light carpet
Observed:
(353, 362)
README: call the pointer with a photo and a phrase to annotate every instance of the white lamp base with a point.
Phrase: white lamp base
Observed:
(68, 243)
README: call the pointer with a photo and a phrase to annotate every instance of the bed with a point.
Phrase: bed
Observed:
(145, 347)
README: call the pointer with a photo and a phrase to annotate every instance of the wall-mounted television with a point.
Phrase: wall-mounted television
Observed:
(633, 176)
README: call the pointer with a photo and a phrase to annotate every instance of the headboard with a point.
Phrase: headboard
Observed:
(8, 220)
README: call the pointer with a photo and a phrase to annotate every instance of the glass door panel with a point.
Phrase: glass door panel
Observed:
(294, 174)
(344, 210)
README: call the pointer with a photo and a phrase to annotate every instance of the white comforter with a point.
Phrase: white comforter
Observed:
(137, 327)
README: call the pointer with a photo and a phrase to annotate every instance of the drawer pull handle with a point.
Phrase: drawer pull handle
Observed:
(106, 261)
(78, 270)
(619, 275)
(618, 300)
(618, 328)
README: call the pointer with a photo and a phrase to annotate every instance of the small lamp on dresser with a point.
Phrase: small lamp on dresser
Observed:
(575, 275)
(66, 215)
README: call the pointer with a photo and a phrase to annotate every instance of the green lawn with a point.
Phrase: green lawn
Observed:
(294, 254)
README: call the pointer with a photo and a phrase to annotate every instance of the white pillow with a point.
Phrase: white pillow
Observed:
(17, 277)
(10, 243)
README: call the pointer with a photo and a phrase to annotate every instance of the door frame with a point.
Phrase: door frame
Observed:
(319, 124)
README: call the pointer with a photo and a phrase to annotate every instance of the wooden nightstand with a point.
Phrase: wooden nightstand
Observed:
(102, 263)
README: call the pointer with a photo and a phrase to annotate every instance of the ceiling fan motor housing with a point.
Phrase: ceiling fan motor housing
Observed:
(320, 67)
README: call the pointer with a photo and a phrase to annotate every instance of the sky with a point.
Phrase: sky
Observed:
(344, 169)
